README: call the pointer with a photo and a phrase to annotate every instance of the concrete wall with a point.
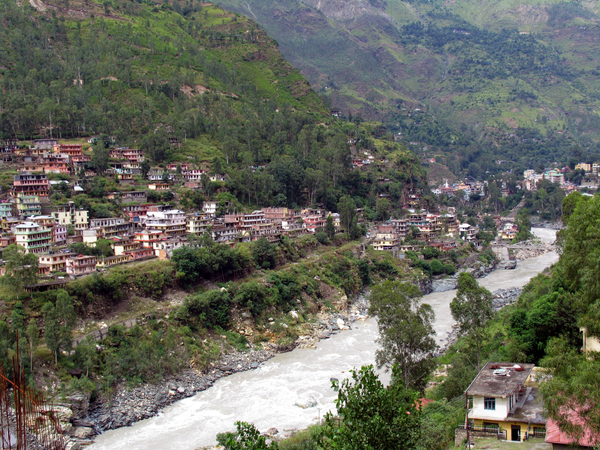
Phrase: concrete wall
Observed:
(590, 344)
(479, 410)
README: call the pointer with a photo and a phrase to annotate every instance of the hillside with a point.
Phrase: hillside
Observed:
(186, 82)
(503, 80)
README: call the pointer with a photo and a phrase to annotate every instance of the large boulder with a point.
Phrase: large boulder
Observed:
(305, 402)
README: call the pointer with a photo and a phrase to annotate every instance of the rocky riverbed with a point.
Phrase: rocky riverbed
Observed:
(129, 405)
(478, 271)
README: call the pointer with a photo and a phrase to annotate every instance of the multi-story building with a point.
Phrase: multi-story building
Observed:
(33, 237)
(124, 245)
(44, 144)
(164, 249)
(147, 238)
(193, 175)
(68, 215)
(450, 224)
(136, 212)
(6, 209)
(79, 161)
(509, 231)
(210, 208)
(313, 222)
(277, 215)
(386, 238)
(169, 222)
(133, 155)
(7, 239)
(467, 232)
(69, 149)
(401, 227)
(80, 265)
(53, 262)
(28, 205)
(197, 224)
(224, 233)
(45, 221)
(118, 230)
(31, 184)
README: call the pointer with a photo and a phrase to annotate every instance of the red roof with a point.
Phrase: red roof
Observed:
(555, 436)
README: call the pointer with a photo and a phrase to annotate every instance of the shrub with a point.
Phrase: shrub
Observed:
(437, 267)
(322, 238)
(449, 269)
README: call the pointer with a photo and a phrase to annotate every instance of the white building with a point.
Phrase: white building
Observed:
(169, 222)
(33, 237)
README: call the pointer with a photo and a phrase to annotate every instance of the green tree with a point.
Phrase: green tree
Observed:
(329, 227)
(100, 156)
(523, 225)
(383, 209)
(347, 210)
(569, 203)
(472, 309)
(406, 331)
(51, 329)
(65, 312)
(33, 339)
(573, 386)
(373, 417)
(247, 437)
(263, 253)
(21, 269)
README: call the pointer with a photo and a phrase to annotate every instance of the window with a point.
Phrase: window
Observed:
(489, 403)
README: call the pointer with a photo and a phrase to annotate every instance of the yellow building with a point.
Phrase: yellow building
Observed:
(505, 402)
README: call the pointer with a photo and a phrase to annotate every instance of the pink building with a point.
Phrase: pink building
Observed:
(81, 265)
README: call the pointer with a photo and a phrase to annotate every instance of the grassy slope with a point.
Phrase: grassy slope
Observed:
(155, 44)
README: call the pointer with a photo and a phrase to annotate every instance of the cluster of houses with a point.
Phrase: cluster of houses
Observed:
(433, 228)
(143, 230)
(592, 172)
(47, 156)
(466, 187)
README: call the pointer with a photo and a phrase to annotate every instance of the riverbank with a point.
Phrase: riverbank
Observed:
(281, 372)
(129, 405)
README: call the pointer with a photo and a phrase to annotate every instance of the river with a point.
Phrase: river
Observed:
(266, 396)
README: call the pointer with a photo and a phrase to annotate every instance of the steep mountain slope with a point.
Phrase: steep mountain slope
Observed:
(493, 72)
(187, 82)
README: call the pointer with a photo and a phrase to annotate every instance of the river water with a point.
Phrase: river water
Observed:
(267, 395)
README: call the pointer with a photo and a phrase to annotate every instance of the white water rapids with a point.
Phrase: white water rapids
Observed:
(266, 396)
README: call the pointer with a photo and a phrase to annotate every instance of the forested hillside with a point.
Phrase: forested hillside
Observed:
(517, 83)
(184, 81)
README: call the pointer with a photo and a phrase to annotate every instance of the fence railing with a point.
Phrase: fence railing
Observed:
(26, 419)
(485, 431)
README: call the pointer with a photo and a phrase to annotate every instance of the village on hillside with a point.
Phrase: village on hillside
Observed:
(149, 226)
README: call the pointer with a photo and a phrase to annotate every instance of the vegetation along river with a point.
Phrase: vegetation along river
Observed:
(267, 396)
